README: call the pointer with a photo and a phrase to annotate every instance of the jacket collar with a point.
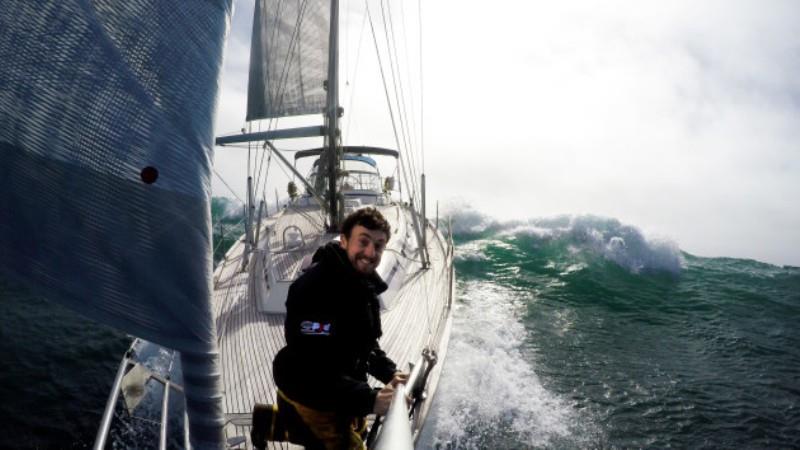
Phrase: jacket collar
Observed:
(333, 255)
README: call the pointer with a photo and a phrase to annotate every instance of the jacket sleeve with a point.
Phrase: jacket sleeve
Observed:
(380, 365)
(354, 397)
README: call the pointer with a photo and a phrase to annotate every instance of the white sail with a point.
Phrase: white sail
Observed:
(106, 114)
(288, 58)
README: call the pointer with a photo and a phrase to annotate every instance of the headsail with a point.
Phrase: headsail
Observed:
(288, 58)
(106, 131)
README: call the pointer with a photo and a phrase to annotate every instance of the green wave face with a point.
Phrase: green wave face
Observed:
(580, 331)
(227, 219)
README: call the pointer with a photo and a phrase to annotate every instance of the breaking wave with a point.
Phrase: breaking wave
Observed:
(580, 237)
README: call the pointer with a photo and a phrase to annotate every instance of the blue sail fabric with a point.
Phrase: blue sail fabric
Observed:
(106, 132)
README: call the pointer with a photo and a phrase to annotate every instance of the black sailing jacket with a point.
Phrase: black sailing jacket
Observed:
(332, 328)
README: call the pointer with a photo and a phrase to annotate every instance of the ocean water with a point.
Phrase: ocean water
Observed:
(570, 332)
(580, 332)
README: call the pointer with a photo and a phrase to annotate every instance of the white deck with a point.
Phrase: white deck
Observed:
(249, 339)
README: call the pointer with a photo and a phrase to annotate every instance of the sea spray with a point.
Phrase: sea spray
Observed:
(490, 396)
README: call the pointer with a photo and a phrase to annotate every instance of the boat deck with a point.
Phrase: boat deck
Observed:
(249, 339)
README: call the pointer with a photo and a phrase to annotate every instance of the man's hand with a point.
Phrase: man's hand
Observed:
(383, 400)
(399, 378)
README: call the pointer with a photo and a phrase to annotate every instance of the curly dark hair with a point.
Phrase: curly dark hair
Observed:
(369, 218)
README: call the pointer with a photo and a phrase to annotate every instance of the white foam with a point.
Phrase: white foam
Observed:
(476, 250)
(232, 208)
(625, 245)
(472, 251)
(528, 230)
(489, 392)
(467, 221)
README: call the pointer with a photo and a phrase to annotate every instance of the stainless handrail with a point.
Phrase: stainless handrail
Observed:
(162, 442)
(108, 414)
(396, 429)
(105, 424)
(186, 444)
(378, 439)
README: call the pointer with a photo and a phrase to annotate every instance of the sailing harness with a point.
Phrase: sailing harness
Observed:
(290, 421)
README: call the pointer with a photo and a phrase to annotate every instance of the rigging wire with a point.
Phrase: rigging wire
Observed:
(408, 121)
(404, 111)
(223, 230)
(415, 135)
(421, 94)
(227, 185)
(386, 92)
(394, 62)
(355, 74)
(409, 158)
(394, 80)
(405, 156)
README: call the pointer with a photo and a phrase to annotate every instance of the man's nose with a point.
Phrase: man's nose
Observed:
(370, 250)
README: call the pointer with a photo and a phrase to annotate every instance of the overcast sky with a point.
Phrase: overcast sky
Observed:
(681, 118)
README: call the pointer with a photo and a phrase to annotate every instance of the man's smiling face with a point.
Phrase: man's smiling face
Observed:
(364, 248)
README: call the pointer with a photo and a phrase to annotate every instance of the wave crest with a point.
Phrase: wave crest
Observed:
(625, 245)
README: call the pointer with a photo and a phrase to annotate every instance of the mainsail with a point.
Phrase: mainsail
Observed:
(288, 58)
(106, 131)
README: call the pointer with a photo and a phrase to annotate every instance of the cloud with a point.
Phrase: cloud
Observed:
(680, 117)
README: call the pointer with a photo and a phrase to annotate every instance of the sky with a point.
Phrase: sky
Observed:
(681, 118)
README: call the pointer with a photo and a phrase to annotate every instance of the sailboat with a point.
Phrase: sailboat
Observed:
(106, 144)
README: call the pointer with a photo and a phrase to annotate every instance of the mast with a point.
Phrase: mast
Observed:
(332, 118)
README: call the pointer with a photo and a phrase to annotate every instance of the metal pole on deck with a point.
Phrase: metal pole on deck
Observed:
(186, 444)
(162, 441)
(258, 223)
(396, 429)
(248, 223)
(105, 423)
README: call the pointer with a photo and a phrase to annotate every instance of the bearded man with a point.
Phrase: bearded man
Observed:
(332, 329)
